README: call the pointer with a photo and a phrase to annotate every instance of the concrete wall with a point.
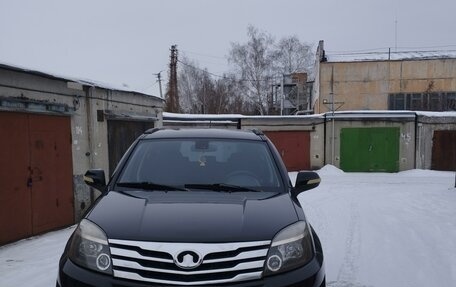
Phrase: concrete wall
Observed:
(366, 85)
(84, 103)
(90, 136)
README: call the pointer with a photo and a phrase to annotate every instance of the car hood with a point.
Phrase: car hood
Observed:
(193, 216)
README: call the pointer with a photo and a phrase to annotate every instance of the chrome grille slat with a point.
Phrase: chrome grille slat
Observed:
(137, 266)
(134, 276)
(136, 255)
(170, 248)
(227, 262)
(244, 255)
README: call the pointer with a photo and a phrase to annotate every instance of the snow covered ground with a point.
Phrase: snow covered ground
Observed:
(395, 230)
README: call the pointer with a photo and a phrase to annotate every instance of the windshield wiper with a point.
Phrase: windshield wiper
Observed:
(151, 186)
(221, 187)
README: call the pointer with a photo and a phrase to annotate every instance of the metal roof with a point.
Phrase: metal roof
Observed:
(390, 56)
(85, 82)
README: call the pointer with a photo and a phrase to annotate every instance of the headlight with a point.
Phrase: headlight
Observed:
(291, 247)
(89, 248)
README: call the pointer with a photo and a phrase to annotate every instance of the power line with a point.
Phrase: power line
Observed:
(225, 77)
(390, 52)
(151, 85)
(373, 50)
(204, 55)
(197, 68)
(359, 51)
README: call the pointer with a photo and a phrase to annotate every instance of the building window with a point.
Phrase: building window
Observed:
(451, 101)
(416, 102)
(423, 101)
(397, 102)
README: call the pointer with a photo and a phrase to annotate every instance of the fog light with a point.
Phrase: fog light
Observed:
(103, 261)
(274, 263)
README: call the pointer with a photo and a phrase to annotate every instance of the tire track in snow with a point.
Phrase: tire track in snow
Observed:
(349, 269)
(345, 284)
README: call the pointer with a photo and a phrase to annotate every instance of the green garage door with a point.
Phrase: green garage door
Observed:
(369, 149)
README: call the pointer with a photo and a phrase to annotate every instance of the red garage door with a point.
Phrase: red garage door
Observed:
(294, 146)
(444, 150)
(36, 185)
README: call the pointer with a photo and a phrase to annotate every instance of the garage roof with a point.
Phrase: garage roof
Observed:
(85, 82)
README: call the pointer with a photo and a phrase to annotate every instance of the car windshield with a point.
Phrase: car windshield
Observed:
(202, 164)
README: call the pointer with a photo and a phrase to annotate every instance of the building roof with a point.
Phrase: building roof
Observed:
(85, 82)
(390, 55)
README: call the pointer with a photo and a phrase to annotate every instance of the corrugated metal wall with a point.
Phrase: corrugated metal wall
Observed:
(121, 134)
(36, 182)
(444, 150)
(294, 147)
(369, 149)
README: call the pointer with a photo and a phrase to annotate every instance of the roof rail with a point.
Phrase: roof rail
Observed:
(257, 132)
(152, 130)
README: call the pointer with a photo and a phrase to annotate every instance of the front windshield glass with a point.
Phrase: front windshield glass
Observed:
(197, 163)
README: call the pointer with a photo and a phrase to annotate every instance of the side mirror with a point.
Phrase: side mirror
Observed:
(96, 179)
(306, 180)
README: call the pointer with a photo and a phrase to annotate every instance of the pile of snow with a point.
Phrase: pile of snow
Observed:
(329, 170)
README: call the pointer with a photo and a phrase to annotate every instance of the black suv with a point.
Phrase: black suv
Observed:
(196, 207)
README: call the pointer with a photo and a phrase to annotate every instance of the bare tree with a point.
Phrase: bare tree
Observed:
(293, 56)
(201, 93)
(188, 85)
(258, 65)
(253, 61)
(230, 90)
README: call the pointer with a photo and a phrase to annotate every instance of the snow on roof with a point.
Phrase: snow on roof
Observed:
(389, 114)
(176, 116)
(371, 114)
(393, 56)
(220, 117)
(339, 114)
(86, 82)
(437, 114)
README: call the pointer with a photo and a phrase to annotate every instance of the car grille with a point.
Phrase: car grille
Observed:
(188, 263)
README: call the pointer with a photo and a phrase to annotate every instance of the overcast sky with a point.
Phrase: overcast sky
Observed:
(128, 41)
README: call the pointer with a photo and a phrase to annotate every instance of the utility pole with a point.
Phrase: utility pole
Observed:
(159, 83)
(282, 99)
(172, 98)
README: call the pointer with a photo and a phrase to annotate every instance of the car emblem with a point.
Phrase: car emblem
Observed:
(188, 260)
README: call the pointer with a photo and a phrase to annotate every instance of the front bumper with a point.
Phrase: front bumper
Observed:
(310, 275)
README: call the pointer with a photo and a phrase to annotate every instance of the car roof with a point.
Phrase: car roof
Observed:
(203, 133)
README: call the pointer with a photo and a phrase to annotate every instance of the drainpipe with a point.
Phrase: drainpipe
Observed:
(333, 148)
(324, 141)
(89, 153)
(417, 138)
(333, 144)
